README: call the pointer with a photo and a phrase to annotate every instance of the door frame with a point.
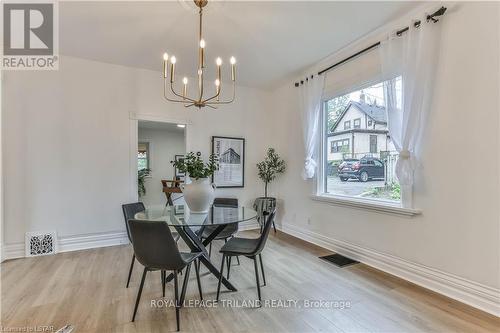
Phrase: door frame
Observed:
(134, 139)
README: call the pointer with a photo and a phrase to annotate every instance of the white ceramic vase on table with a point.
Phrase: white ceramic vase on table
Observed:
(199, 194)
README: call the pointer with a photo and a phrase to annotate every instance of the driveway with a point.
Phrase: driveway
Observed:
(352, 187)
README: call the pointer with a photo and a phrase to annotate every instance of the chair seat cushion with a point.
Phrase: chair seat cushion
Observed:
(227, 232)
(240, 246)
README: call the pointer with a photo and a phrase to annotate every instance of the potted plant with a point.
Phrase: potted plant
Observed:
(272, 166)
(199, 192)
(141, 183)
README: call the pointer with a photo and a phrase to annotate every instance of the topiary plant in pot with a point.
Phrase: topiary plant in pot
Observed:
(272, 166)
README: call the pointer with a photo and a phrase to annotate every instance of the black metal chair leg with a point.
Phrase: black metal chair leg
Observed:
(197, 268)
(221, 275)
(139, 293)
(228, 266)
(130, 270)
(257, 276)
(274, 226)
(184, 285)
(238, 260)
(210, 250)
(163, 281)
(262, 269)
(176, 292)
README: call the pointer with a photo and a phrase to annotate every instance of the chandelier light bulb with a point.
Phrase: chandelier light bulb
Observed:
(185, 80)
(232, 60)
(218, 61)
(217, 82)
(165, 56)
(173, 60)
(202, 43)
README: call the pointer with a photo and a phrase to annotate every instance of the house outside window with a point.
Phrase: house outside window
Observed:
(143, 156)
(359, 164)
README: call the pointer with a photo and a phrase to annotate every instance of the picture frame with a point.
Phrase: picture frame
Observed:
(177, 174)
(231, 154)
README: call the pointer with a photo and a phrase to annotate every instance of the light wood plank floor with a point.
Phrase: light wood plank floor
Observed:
(87, 289)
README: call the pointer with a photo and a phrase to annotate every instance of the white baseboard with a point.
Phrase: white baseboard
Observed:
(72, 243)
(475, 294)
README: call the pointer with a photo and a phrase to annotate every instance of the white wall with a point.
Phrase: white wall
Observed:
(68, 135)
(163, 146)
(458, 231)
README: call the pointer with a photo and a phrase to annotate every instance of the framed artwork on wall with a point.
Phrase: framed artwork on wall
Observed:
(177, 173)
(231, 154)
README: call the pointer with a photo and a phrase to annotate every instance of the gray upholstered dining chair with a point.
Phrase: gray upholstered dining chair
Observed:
(156, 249)
(228, 231)
(129, 211)
(250, 248)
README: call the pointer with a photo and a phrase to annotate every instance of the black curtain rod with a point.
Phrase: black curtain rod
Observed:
(431, 17)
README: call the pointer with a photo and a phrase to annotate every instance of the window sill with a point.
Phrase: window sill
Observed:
(366, 205)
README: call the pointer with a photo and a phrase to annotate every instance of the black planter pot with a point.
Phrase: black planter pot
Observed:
(264, 204)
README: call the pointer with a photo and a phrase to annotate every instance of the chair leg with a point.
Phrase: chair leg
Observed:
(274, 226)
(176, 292)
(163, 281)
(257, 276)
(130, 270)
(197, 268)
(238, 260)
(139, 293)
(221, 275)
(210, 250)
(262, 269)
(184, 285)
(228, 266)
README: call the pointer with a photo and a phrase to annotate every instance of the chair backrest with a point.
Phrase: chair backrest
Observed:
(129, 211)
(154, 245)
(265, 232)
(226, 202)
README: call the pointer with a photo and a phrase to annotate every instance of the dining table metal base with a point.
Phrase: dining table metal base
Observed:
(195, 244)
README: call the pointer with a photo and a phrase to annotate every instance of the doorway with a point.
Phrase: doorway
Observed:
(158, 143)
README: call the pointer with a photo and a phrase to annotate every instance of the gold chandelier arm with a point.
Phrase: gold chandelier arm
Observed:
(214, 96)
(225, 102)
(165, 95)
(176, 94)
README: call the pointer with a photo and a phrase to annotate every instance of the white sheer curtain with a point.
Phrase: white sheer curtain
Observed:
(414, 56)
(310, 95)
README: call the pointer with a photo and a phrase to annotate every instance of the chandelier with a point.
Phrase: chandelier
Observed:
(201, 100)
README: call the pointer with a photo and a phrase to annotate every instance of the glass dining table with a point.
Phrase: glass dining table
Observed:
(191, 225)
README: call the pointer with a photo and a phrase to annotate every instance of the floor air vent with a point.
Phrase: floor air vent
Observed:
(339, 260)
(40, 243)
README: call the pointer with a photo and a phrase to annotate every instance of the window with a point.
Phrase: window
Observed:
(363, 165)
(143, 156)
(347, 124)
(339, 146)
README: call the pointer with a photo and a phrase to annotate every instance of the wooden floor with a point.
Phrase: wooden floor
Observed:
(87, 289)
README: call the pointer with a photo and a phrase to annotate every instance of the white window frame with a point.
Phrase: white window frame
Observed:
(343, 200)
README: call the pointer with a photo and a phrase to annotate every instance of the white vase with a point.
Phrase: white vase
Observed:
(199, 195)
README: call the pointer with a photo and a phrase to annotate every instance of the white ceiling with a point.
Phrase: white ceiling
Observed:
(270, 40)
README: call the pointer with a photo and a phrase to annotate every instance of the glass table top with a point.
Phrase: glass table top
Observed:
(178, 215)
